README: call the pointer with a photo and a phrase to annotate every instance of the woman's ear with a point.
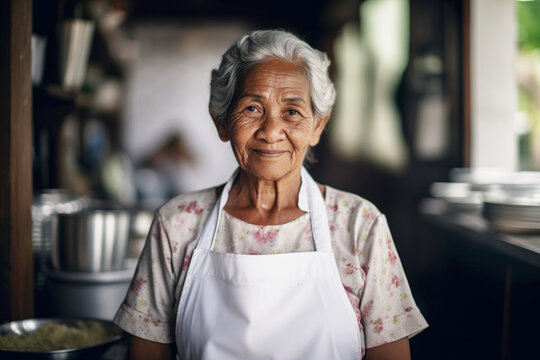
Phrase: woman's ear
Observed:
(221, 129)
(319, 128)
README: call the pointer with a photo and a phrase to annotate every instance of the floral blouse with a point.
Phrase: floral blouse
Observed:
(369, 266)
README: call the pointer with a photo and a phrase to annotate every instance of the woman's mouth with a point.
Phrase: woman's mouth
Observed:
(269, 153)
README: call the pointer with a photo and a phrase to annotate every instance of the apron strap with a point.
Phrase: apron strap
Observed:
(320, 229)
(310, 200)
(210, 228)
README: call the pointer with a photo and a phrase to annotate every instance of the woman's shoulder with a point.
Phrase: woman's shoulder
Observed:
(354, 204)
(194, 204)
(351, 219)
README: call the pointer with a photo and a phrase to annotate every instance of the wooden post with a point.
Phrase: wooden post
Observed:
(16, 257)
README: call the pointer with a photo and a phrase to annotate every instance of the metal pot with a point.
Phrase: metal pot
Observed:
(91, 240)
(45, 207)
(141, 221)
(28, 326)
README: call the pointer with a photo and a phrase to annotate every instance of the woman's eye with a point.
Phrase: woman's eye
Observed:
(292, 112)
(252, 111)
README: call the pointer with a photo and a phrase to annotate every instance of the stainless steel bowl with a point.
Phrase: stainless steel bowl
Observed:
(92, 240)
(29, 326)
(141, 221)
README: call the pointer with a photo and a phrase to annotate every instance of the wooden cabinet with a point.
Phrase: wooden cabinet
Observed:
(483, 301)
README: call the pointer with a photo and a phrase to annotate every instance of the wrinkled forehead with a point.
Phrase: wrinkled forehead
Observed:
(276, 74)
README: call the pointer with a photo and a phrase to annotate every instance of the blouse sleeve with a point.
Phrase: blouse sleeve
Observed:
(388, 310)
(147, 310)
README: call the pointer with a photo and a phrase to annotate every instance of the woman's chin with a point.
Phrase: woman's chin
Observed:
(270, 170)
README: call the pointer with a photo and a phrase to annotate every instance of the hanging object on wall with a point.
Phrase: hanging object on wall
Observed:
(431, 140)
(39, 44)
(371, 62)
(75, 41)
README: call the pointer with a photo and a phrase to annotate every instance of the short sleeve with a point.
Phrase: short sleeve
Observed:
(388, 310)
(147, 310)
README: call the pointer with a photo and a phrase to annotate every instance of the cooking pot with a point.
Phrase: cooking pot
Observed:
(45, 207)
(92, 240)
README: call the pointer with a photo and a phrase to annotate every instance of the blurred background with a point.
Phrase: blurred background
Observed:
(437, 114)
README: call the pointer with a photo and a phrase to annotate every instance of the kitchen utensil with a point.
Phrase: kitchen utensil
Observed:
(29, 326)
(141, 222)
(92, 240)
(46, 205)
(39, 43)
(75, 42)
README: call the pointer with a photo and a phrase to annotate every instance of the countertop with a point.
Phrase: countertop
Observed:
(472, 226)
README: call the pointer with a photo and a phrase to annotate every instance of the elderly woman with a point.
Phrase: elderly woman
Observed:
(271, 265)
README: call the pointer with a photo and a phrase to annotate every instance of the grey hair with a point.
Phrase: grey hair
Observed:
(258, 47)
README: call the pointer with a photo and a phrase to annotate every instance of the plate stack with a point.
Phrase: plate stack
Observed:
(515, 215)
(508, 200)
(459, 197)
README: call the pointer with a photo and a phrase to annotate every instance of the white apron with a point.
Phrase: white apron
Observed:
(284, 306)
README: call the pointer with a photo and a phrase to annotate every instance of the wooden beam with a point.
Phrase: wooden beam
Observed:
(16, 257)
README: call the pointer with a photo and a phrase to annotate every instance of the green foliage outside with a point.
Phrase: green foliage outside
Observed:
(529, 24)
(528, 13)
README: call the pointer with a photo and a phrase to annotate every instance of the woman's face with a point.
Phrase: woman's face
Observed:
(272, 123)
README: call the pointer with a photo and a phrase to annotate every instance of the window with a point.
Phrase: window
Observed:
(528, 81)
(493, 84)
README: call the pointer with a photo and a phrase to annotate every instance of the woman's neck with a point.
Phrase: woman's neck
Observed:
(263, 202)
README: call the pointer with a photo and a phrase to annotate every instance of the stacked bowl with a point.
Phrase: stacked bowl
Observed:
(88, 272)
(509, 201)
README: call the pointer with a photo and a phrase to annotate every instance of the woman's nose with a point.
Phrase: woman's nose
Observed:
(271, 128)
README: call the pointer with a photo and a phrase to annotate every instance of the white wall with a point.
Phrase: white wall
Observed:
(168, 92)
(493, 84)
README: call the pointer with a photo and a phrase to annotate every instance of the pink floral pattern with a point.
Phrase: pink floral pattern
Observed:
(186, 262)
(263, 236)
(366, 309)
(392, 257)
(367, 260)
(137, 285)
(395, 281)
(192, 207)
(377, 325)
